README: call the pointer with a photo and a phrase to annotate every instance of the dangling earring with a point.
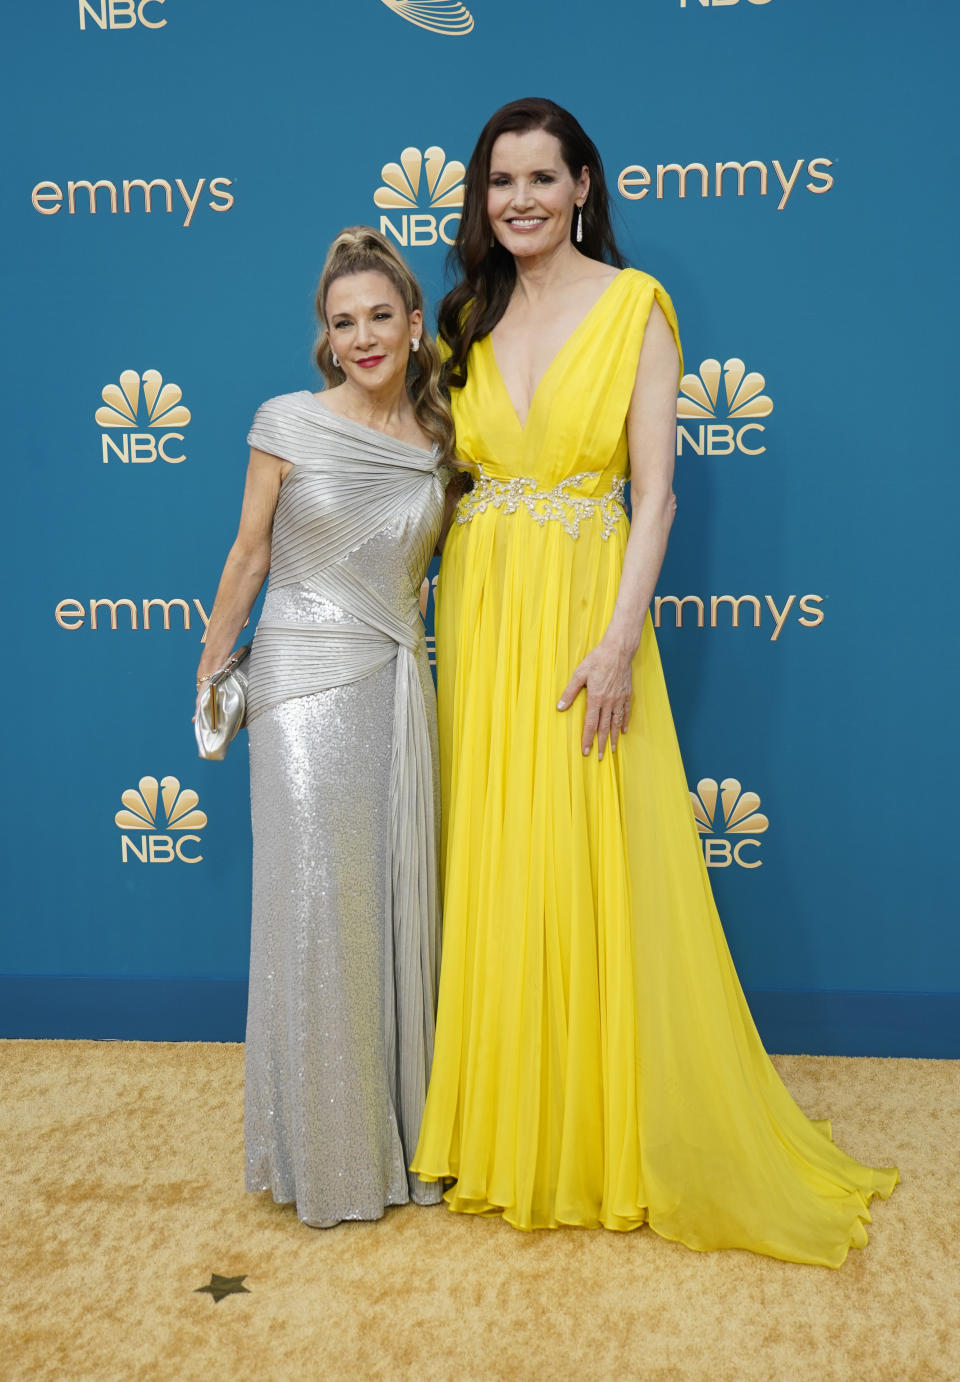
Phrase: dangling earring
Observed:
(415, 343)
(579, 225)
(336, 360)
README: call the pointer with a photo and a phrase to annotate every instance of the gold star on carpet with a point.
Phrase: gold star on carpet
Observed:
(220, 1286)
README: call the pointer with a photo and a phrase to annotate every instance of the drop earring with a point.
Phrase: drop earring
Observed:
(579, 225)
(415, 343)
(336, 360)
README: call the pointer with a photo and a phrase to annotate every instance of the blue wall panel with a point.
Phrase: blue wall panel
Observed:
(841, 294)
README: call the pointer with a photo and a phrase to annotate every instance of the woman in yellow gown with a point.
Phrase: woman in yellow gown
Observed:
(595, 1059)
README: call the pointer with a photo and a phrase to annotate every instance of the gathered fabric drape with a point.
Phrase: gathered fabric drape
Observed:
(596, 1062)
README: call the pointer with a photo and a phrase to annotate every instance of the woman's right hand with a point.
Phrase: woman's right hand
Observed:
(201, 692)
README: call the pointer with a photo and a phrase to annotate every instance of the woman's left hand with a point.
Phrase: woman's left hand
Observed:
(606, 676)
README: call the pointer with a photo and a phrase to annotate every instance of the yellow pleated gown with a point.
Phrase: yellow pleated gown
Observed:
(595, 1059)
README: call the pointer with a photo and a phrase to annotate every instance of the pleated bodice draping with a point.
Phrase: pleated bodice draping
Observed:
(356, 523)
(348, 483)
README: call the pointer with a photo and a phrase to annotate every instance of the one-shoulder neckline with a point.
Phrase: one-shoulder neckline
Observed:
(363, 427)
(488, 340)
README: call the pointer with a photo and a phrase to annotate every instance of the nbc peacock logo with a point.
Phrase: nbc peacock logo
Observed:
(421, 180)
(151, 811)
(726, 809)
(742, 402)
(447, 17)
(142, 401)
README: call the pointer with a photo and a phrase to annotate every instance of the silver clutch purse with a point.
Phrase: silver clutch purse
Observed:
(222, 709)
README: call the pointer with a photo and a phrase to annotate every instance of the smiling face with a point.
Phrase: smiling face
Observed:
(370, 329)
(531, 194)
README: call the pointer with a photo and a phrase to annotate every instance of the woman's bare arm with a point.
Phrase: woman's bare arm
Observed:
(248, 561)
(651, 433)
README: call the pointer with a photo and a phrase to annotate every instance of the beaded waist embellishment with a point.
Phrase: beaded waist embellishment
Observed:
(557, 505)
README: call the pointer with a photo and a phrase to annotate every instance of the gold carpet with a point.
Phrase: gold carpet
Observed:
(121, 1174)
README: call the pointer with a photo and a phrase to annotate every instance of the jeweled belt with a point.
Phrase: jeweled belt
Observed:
(557, 505)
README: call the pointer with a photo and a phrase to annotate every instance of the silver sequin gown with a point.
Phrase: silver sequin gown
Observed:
(341, 712)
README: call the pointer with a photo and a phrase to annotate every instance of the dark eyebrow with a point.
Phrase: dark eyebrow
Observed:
(375, 308)
(501, 173)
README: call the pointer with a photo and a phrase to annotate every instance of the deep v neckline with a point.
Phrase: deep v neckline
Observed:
(533, 397)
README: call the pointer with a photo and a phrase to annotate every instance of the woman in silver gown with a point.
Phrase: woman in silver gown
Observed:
(344, 503)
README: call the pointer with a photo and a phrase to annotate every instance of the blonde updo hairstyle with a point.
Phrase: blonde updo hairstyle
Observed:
(360, 249)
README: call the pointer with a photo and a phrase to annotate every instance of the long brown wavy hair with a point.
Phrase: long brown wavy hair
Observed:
(360, 249)
(487, 272)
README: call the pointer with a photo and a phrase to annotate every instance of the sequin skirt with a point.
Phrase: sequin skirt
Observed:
(320, 1121)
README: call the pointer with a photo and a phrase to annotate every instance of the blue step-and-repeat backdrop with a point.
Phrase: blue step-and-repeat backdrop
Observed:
(175, 171)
